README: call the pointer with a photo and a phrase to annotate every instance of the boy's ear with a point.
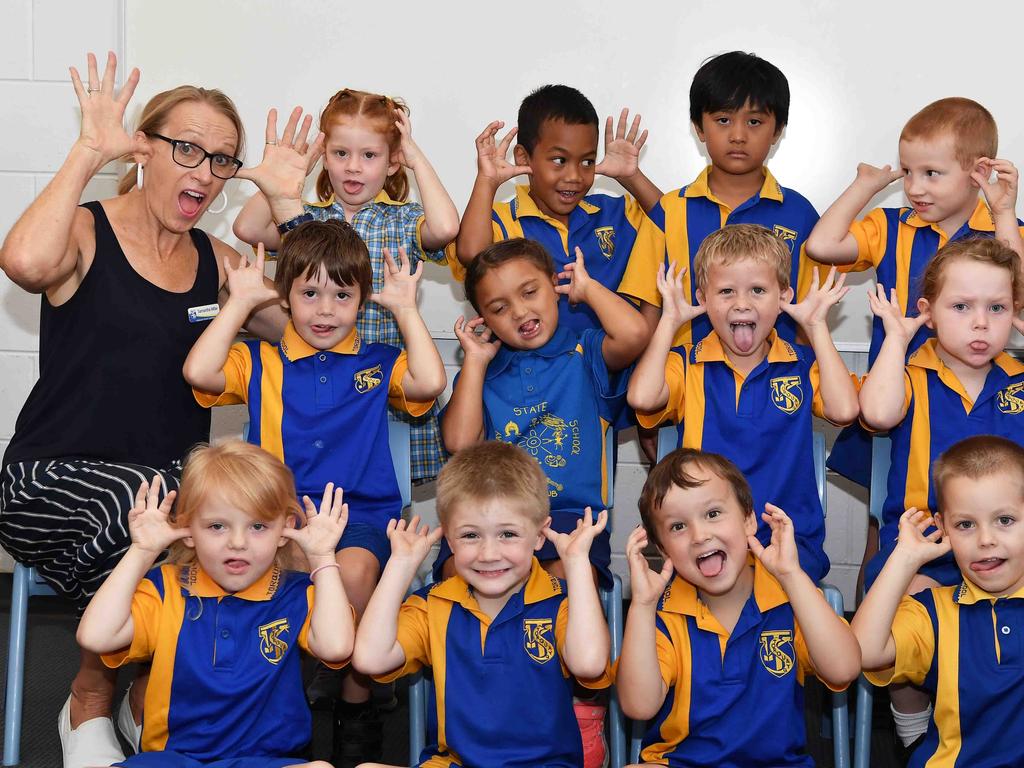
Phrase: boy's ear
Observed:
(189, 542)
(699, 293)
(750, 523)
(937, 517)
(924, 307)
(541, 539)
(520, 155)
(786, 295)
(393, 166)
(699, 128)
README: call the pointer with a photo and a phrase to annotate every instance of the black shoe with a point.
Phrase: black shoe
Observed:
(324, 688)
(358, 735)
(904, 753)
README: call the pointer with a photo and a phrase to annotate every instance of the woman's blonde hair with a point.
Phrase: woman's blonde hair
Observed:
(158, 108)
(244, 474)
(378, 109)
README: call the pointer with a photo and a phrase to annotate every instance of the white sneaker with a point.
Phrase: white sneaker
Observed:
(126, 723)
(90, 744)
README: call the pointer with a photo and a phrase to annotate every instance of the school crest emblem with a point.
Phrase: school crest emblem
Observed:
(787, 394)
(788, 235)
(272, 646)
(1009, 400)
(776, 651)
(537, 640)
(606, 240)
(367, 379)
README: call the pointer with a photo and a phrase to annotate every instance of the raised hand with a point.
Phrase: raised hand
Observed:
(321, 531)
(576, 545)
(148, 523)
(579, 280)
(399, 291)
(889, 311)
(476, 346)
(877, 178)
(780, 557)
(103, 129)
(287, 160)
(646, 584)
(1000, 194)
(621, 149)
(675, 305)
(409, 153)
(813, 310)
(914, 544)
(246, 283)
(491, 158)
(410, 541)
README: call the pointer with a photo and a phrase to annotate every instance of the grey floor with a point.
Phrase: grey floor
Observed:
(51, 660)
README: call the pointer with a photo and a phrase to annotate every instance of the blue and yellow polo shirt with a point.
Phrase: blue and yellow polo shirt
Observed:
(939, 413)
(686, 216)
(226, 679)
(762, 423)
(966, 648)
(557, 402)
(899, 244)
(734, 699)
(324, 414)
(611, 232)
(503, 695)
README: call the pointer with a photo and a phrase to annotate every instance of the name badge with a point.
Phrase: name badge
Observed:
(203, 313)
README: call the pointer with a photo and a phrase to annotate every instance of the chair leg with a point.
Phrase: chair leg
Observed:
(862, 724)
(16, 665)
(417, 716)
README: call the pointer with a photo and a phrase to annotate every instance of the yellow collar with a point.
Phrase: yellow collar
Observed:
(524, 205)
(711, 350)
(382, 197)
(681, 596)
(296, 348)
(980, 221)
(540, 585)
(700, 187)
(194, 579)
(969, 593)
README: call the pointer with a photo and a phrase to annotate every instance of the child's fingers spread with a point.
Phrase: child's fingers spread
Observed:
(308, 506)
(168, 502)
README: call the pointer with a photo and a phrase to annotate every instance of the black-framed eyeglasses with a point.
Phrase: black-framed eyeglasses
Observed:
(190, 155)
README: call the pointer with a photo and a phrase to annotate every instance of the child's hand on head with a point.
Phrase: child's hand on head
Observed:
(148, 525)
(916, 545)
(579, 280)
(321, 531)
(411, 542)
(877, 178)
(621, 149)
(246, 284)
(675, 306)
(894, 321)
(399, 291)
(286, 161)
(409, 153)
(645, 584)
(780, 557)
(492, 159)
(813, 310)
(1000, 194)
(476, 346)
(576, 545)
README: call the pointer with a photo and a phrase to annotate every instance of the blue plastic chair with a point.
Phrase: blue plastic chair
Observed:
(421, 685)
(27, 583)
(667, 437)
(881, 458)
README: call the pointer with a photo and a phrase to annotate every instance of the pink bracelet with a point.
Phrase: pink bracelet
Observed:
(317, 570)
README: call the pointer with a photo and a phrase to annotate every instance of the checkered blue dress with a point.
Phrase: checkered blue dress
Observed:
(386, 223)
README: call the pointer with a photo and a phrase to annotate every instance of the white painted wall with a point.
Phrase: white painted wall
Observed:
(856, 72)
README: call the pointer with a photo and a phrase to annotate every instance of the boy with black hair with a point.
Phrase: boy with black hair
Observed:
(739, 106)
(557, 148)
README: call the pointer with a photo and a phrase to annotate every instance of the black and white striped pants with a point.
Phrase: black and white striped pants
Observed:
(69, 518)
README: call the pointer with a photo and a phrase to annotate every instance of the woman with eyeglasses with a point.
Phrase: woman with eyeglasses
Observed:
(128, 284)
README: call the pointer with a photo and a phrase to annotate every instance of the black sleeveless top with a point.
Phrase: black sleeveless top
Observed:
(110, 384)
